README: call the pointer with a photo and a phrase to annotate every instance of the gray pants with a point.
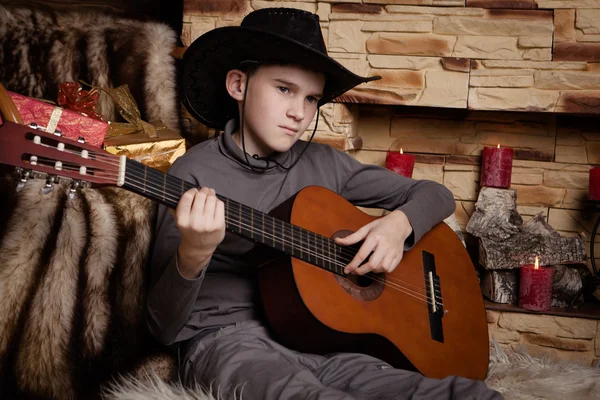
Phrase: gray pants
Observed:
(243, 358)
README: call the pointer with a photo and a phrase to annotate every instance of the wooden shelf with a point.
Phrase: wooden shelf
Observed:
(588, 310)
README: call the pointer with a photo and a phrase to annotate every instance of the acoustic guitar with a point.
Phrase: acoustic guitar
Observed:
(427, 315)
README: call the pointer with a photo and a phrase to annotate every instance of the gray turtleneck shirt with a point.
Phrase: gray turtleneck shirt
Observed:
(226, 290)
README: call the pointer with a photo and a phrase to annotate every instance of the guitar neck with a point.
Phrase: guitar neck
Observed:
(242, 220)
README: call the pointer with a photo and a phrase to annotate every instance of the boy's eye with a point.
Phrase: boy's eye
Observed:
(283, 89)
(311, 99)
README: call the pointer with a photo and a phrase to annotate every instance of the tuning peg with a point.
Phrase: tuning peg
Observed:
(73, 189)
(81, 139)
(24, 176)
(58, 132)
(49, 186)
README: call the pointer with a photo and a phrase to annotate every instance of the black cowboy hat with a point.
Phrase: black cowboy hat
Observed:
(283, 35)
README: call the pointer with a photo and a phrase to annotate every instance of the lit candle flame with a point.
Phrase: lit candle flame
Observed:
(498, 145)
(401, 152)
(537, 263)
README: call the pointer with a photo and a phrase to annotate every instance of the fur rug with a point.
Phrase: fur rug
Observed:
(40, 49)
(517, 375)
(72, 283)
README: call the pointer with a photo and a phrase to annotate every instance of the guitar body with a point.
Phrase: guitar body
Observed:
(313, 310)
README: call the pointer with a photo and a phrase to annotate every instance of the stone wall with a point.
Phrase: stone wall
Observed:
(520, 55)
(459, 76)
(574, 339)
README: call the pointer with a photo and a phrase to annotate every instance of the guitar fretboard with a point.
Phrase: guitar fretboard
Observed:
(244, 220)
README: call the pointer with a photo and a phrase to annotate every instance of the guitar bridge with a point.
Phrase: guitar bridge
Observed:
(435, 304)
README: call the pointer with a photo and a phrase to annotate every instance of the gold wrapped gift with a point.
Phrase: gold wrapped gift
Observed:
(156, 154)
(152, 144)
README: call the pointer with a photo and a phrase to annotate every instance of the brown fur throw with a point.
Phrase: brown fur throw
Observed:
(72, 283)
(40, 49)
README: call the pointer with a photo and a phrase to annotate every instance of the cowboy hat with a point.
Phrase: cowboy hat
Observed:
(280, 35)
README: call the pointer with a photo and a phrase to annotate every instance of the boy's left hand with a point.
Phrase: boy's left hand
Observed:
(385, 238)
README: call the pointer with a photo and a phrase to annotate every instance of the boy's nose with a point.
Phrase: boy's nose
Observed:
(296, 111)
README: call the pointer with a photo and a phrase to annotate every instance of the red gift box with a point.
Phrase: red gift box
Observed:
(72, 124)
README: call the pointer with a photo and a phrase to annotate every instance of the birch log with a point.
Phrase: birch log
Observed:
(495, 216)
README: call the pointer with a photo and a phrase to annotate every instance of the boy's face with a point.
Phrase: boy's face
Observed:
(280, 104)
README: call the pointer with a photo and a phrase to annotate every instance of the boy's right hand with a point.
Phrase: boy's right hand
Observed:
(200, 217)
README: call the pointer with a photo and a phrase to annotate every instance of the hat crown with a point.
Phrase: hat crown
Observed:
(297, 25)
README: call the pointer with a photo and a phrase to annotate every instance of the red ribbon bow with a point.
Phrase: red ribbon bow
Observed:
(72, 96)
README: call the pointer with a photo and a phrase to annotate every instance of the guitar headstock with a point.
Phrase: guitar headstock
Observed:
(49, 155)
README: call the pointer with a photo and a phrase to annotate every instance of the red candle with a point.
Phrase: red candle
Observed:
(400, 163)
(496, 167)
(535, 287)
(594, 184)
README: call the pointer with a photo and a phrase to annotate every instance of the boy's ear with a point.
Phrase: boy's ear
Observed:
(235, 82)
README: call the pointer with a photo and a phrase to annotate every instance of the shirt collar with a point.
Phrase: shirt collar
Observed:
(232, 150)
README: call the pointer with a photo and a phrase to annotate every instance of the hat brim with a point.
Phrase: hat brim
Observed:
(209, 58)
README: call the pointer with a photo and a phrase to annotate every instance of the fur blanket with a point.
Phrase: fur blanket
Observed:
(40, 49)
(72, 283)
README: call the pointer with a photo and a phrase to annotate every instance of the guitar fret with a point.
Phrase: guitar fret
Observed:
(329, 254)
(337, 266)
(327, 260)
(314, 238)
(308, 247)
(333, 258)
(300, 246)
(321, 251)
(340, 265)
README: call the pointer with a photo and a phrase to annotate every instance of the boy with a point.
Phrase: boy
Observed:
(262, 83)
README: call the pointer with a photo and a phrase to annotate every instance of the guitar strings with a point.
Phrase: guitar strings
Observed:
(312, 250)
(175, 197)
(110, 161)
(244, 212)
(287, 229)
(389, 282)
(237, 223)
(386, 282)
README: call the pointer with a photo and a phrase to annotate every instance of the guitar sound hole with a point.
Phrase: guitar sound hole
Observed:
(362, 287)
(360, 280)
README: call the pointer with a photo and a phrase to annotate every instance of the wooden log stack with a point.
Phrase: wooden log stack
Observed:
(506, 243)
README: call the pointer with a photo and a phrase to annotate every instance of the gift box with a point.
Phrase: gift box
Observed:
(72, 124)
(152, 144)
(156, 152)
